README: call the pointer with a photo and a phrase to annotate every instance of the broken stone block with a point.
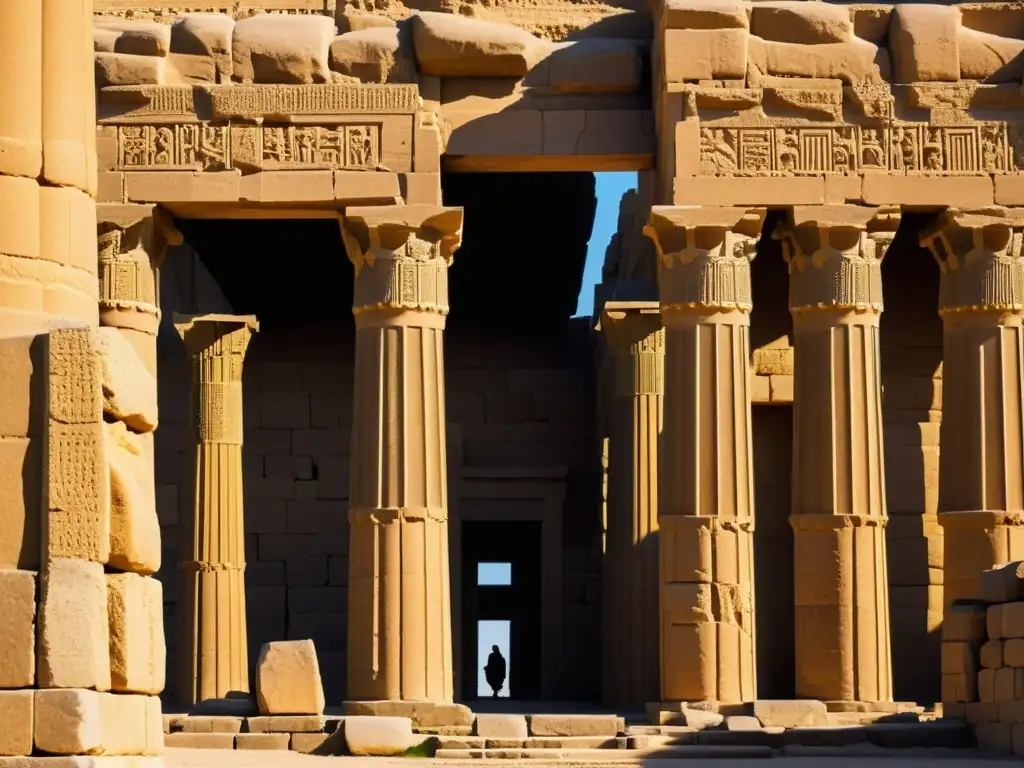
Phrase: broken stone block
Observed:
(378, 736)
(134, 525)
(138, 653)
(288, 679)
(701, 718)
(501, 727)
(68, 722)
(16, 722)
(73, 649)
(18, 635)
(790, 714)
(424, 714)
(369, 54)
(742, 723)
(129, 390)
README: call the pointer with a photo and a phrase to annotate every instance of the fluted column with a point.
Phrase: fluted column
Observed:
(636, 343)
(838, 515)
(706, 496)
(981, 462)
(213, 656)
(399, 628)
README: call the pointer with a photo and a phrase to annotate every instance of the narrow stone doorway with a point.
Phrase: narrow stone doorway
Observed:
(501, 582)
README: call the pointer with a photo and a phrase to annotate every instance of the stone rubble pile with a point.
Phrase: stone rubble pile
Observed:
(983, 660)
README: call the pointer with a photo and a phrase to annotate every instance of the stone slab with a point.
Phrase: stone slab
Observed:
(18, 636)
(573, 725)
(200, 740)
(307, 742)
(262, 741)
(423, 714)
(790, 714)
(370, 736)
(501, 727)
(286, 724)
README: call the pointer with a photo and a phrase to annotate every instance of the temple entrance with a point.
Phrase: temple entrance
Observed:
(501, 605)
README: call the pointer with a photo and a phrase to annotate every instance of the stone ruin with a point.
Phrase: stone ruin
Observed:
(819, 134)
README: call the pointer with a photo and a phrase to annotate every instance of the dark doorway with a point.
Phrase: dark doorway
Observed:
(510, 591)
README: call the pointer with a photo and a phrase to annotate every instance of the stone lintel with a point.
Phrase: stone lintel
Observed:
(858, 217)
(389, 227)
(618, 311)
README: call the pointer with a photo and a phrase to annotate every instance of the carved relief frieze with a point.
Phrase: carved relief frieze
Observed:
(208, 147)
(852, 149)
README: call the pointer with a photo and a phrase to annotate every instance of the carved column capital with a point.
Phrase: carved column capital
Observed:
(834, 254)
(636, 340)
(704, 256)
(401, 256)
(216, 345)
(979, 256)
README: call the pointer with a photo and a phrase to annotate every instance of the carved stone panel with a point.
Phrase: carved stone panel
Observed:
(208, 147)
(851, 149)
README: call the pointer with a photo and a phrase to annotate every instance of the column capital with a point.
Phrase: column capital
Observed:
(634, 335)
(215, 335)
(979, 256)
(704, 255)
(834, 254)
(401, 255)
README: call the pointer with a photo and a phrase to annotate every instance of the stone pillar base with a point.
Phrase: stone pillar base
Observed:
(974, 542)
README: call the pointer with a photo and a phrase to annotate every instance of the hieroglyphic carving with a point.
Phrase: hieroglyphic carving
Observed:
(191, 147)
(206, 147)
(850, 149)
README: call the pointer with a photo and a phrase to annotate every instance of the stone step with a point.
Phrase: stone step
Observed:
(695, 751)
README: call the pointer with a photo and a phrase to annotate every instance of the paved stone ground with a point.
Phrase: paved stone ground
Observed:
(209, 758)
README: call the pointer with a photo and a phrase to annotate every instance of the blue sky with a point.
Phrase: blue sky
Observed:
(610, 188)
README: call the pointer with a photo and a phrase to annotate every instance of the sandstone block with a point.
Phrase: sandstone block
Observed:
(990, 655)
(378, 736)
(368, 54)
(423, 714)
(995, 737)
(138, 655)
(68, 722)
(923, 40)
(208, 724)
(986, 685)
(129, 69)
(600, 65)
(1002, 584)
(300, 724)
(288, 679)
(790, 714)
(130, 724)
(964, 621)
(262, 741)
(694, 14)
(742, 723)
(18, 632)
(994, 622)
(1013, 620)
(73, 649)
(501, 727)
(573, 725)
(135, 544)
(129, 389)
(64, 212)
(307, 742)
(139, 37)
(20, 499)
(453, 46)
(705, 54)
(796, 22)
(282, 49)
(205, 35)
(1013, 652)
(17, 713)
(200, 740)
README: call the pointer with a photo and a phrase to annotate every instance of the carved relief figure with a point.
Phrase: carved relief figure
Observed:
(163, 145)
(717, 152)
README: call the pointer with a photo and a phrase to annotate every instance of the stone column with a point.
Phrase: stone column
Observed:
(838, 515)
(399, 627)
(636, 343)
(981, 461)
(706, 496)
(213, 656)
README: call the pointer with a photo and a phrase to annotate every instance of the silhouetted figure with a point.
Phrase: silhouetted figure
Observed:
(495, 670)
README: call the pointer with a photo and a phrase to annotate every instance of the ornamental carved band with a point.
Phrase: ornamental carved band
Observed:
(640, 367)
(981, 266)
(715, 278)
(704, 256)
(401, 256)
(127, 280)
(413, 277)
(216, 352)
(834, 278)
